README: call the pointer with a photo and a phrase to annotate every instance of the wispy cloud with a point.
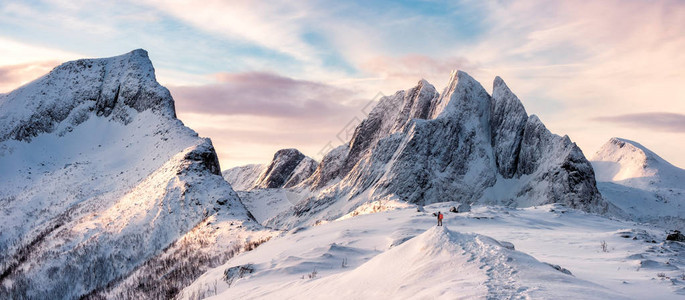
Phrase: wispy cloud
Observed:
(265, 94)
(251, 115)
(658, 121)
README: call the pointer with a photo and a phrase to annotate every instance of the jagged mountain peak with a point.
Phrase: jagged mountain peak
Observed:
(462, 145)
(463, 95)
(507, 125)
(116, 87)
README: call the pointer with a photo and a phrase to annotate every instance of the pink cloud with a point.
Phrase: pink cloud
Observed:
(660, 121)
(13, 76)
(415, 66)
(265, 94)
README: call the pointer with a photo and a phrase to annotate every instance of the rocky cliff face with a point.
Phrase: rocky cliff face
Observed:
(464, 145)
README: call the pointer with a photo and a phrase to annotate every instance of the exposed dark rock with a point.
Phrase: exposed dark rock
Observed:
(281, 168)
(675, 236)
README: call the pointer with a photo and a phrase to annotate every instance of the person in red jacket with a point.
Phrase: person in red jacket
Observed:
(439, 218)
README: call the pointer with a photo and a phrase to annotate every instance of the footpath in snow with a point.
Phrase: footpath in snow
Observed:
(402, 254)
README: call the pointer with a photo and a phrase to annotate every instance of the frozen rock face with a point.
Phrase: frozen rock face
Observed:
(508, 120)
(110, 87)
(283, 166)
(329, 167)
(555, 170)
(288, 168)
(392, 114)
(463, 145)
(454, 144)
(100, 179)
(304, 169)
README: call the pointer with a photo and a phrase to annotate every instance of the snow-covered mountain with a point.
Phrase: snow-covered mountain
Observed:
(641, 183)
(462, 145)
(288, 168)
(101, 182)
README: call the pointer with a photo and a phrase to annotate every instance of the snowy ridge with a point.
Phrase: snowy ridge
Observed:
(402, 254)
(100, 178)
(424, 147)
(243, 178)
(626, 160)
(641, 183)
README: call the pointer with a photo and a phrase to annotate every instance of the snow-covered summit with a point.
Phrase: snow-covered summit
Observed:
(621, 159)
(115, 87)
(641, 183)
(99, 179)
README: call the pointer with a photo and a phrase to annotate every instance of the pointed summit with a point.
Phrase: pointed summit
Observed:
(463, 94)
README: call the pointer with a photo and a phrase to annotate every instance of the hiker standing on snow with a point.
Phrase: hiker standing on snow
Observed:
(439, 218)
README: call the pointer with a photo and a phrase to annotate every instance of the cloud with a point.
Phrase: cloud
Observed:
(250, 116)
(13, 76)
(265, 94)
(659, 121)
(416, 66)
(274, 25)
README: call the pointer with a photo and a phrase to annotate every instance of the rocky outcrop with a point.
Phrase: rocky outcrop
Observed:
(288, 168)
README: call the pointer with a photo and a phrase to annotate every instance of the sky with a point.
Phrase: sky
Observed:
(257, 77)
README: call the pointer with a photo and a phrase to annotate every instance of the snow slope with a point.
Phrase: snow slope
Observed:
(641, 183)
(99, 178)
(243, 178)
(401, 254)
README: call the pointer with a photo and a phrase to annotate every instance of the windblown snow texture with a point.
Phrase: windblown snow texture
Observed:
(99, 177)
